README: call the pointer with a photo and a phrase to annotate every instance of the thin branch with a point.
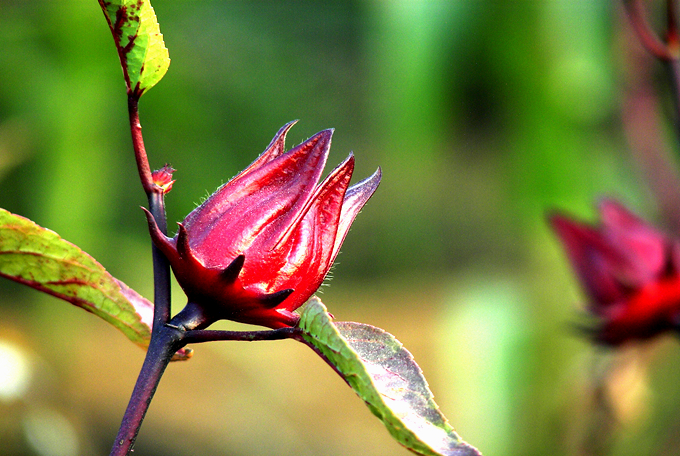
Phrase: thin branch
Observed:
(206, 335)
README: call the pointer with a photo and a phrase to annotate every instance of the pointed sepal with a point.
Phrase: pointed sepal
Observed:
(231, 272)
(274, 299)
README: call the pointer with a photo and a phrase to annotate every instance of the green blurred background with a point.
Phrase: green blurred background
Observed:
(483, 116)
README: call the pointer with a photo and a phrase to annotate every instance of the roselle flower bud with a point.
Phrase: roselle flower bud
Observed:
(163, 178)
(262, 244)
(630, 271)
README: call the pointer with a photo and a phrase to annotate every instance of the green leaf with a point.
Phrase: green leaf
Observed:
(139, 42)
(41, 259)
(383, 373)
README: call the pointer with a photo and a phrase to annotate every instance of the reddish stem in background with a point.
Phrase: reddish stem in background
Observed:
(667, 51)
(644, 31)
(641, 116)
(672, 29)
(643, 127)
(672, 44)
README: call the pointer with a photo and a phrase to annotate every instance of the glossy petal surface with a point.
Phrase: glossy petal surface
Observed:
(262, 244)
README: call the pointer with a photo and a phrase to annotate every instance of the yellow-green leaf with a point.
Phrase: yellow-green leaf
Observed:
(384, 374)
(41, 259)
(139, 43)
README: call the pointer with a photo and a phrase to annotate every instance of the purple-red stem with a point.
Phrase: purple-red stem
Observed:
(155, 196)
(165, 341)
(161, 266)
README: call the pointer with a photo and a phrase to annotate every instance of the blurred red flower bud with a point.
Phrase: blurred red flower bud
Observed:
(262, 244)
(630, 271)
